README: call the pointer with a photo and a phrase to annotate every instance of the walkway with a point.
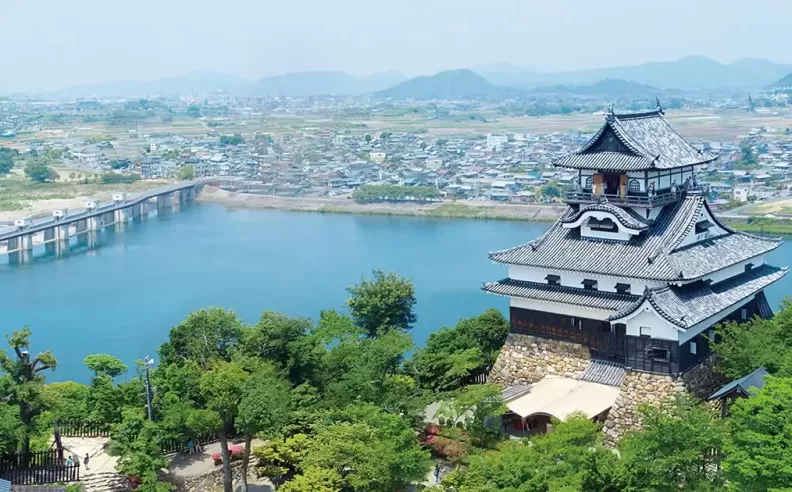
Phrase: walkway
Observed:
(93, 446)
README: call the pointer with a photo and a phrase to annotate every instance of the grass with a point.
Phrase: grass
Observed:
(17, 192)
(777, 227)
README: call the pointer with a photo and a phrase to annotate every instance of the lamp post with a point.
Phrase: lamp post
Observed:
(149, 362)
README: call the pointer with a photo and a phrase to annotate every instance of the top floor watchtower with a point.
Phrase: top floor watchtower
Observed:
(635, 160)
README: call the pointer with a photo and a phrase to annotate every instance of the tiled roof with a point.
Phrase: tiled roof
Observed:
(624, 216)
(651, 255)
(639, 141)
(756, 379)
(611, 301)
(604, 372)
(691, 304)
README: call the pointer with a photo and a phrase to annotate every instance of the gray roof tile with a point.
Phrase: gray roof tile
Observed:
(644, 141)
(651, 255)
(566, 295)
(604, 372)
(693, 303)
(625, 216)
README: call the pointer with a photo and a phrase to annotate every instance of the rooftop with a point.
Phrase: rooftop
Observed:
(655, 254)
(635, 142)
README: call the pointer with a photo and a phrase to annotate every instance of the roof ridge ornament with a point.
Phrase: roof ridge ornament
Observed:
(659, 106)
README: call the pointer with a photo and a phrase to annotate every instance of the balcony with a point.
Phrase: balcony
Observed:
(634, 200)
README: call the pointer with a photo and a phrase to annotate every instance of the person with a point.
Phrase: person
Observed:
(437, 473)
(85, 460)
(69, 461)
(190, 447)
(651, 189)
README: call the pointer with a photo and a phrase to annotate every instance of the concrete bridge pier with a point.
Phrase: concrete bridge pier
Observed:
(123, 215)
(186, 195)
(81, 226)
(87, 240)
(164, 203)
(20, 249)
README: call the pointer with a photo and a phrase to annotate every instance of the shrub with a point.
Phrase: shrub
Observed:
(236, 452)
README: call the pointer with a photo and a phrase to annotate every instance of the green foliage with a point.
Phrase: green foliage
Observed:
(6, 161)
(392, 193)
(279, 459)
(748, 157)
(315, 480)
(105, 365)
(235, 139)
(115, 178)
(759, 457)
(187, 172)
(452, 355)
(40, 173)
(559, 461)
(679, 448)
(384, 303)
(476, 407)
(205, 336)
(551, 189)
(121, 164)
(744, 347)
(194, 111)
(23, 383)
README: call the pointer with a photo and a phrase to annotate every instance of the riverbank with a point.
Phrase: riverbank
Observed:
(447, 210)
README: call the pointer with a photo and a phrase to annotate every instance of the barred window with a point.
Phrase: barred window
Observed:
(634, 185)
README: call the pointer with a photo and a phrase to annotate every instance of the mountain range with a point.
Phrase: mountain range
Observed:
(451, 84)
(689, 73)
(492, 80)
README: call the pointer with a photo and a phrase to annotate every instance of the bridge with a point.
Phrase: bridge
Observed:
(96, 216)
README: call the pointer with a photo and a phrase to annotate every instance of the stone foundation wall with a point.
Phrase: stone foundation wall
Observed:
(525, 359)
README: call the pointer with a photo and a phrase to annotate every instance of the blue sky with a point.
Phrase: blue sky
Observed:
(53, 43)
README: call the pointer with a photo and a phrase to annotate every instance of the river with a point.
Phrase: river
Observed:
(123, 297)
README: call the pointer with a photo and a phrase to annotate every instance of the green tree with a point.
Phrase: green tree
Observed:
(235, 139)
(263, 410)
(23, 383)
(205, 336)
(222, 388)
(315, 480)
(40, 173)
(105, 365)
(679, 448)
(561, 460)
(367, 138)
(136, 443)
(6, 162)
(748, 156)
(194, 111)
(476, 406)
(187, 172)
(758, 457)
(386, 302)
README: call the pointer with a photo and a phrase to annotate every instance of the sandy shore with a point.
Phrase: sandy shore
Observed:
(475, 210)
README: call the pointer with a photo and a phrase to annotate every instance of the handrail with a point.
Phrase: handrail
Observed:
(638, 200)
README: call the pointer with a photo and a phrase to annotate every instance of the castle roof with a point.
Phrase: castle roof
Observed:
(609, 301)
(655, 254)
(691, 304)
(635, 142)
(625, 216)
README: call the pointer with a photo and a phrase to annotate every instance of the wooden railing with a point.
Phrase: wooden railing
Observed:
(635, 200)
(83, 429)
(39, 467)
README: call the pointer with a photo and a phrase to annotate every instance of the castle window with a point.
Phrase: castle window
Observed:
(703, 226)
(623, 288)
(589, 284)
(553, 279)
(646, 331)
(658, 354)
(589, 182)
(635, 186)
(744, 314)
(693, 348)
(711, 335)
(748, 267)
(605, 225)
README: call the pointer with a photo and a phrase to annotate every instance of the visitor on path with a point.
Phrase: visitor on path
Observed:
(437, 473)
(190, 447)
(85, 460)
(69, 461)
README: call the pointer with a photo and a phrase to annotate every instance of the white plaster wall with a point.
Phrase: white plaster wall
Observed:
(575, 279)
(647, 316)
(736, 269)
(558, 308)
(712, 232)
(621, 235)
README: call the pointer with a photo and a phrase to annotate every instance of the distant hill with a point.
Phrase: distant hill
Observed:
(191, 83)
(784, 82)
(452, 84)
(689, 73)
(502, 67)
(324, 83)
(610, 87)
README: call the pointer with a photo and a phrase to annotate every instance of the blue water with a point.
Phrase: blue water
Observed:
(124, 296)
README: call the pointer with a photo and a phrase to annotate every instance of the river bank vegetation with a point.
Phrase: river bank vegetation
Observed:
(342, 407)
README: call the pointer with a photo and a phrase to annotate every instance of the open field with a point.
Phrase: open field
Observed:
(20, 197)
